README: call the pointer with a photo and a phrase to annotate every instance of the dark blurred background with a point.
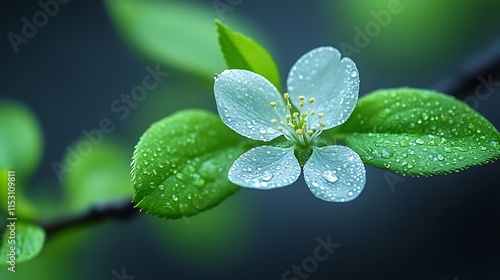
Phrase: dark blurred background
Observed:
(441, 227)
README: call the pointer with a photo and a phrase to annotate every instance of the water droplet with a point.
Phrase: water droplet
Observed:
(440, 157)
(262, 130)
(161, 188)
(350, 193)
(386, 154)
(420, 141)
(266, 177)
(354, 74)
(385, 113)
(448, 149)
(175, 198)
(425, 116)
(330, 176)
(483, 148)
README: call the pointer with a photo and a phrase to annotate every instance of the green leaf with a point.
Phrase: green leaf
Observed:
(419, 132)
(241, 52)
(21, 140)
(99, 177)
(20, 242)
(180, 164)
(173, 33)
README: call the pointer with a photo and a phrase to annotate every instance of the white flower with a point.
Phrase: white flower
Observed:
(322, 93)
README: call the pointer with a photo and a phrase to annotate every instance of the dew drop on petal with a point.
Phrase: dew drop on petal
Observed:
(330, 176)
(266, 177)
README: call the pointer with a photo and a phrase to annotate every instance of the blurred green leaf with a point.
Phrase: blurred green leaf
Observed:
(175, 33)
(99, 177)
(419, 132)
(180, 164)
(241, 52)
(20, 242)
(21, 139)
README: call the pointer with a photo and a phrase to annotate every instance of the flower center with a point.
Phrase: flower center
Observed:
(303, 124)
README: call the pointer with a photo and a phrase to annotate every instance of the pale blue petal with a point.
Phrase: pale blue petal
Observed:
(332, 81)
(243, 99)
(265, 167)
(335, 173)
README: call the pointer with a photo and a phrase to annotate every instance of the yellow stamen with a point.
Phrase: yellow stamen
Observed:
(310, 132)
(299, 132)
(311, 100)
(286, 95)
(301, 98)
(273, 121)
(320, 115)
(273, 104)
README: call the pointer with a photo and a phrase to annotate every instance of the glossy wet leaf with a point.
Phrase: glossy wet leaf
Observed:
(180, 164)
(241, 52)
(419, 132)
(21, 139)
(27, 243)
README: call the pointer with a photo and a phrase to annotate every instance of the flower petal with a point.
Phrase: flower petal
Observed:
(243, 99)
(332, 81)
(265, 167)
(335, 173)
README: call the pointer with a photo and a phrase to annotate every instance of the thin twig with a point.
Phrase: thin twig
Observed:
(118, 210)
(466, 77)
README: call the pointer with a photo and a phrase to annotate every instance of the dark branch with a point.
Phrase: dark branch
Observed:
(466, 78)
(119, 210)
